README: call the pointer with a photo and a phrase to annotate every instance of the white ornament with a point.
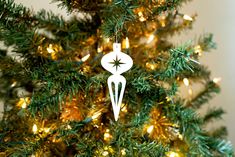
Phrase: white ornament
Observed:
(117, 63)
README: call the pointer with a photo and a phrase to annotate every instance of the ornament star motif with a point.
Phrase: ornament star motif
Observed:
(116, 62)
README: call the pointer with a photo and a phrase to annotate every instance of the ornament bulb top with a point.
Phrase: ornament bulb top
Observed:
(116, 47)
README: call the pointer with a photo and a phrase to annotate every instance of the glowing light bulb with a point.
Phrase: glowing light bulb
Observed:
(188, 18)
(46, 130)
(141, 16)
(150, 129)
(96, 115)
(198, 50)
(151, 66)
(190, 91)
(50, 49)
(23, 102)
(100, 49)
(123, 151)
(150, 39)
(124, 109)
(13, 84)
(68, 127)
(35, 129)
(24, 105)
(127, 43)
(172, 154)
(217, 80)
(105, 153)
(107, 135)
(186, 82)
(85, 57)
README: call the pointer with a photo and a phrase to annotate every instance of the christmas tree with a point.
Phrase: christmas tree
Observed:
(55, 94)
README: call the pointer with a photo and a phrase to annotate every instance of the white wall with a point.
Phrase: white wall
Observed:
(214, 16)
(218, 17)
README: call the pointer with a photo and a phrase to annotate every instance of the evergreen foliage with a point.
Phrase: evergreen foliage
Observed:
(56, 103)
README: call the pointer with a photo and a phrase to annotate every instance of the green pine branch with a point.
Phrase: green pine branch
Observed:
(213, 114)
(55, 86)
(178, 62)
(220, 132)
(204, 96)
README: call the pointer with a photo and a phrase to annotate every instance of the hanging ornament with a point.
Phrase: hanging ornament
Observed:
(117, 63)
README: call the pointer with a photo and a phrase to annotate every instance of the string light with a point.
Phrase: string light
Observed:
(163, 21)
(50, 49)
(187, 18)
(186, 82)
(107, 135)
(13, 84)
(141, 16)
(35, 129)
(23, 102)
(150, 38)
(150, 129)
(107, 40)
(198, 50)
(190, 91)
(96, 115)
(85, 58)
(172, 154)
(123, 152)
(217, 80)
(105, 153)
(68, 127)
(46, 130)
(100, 49)
(151, 66)
(127, 43)
(124, 108)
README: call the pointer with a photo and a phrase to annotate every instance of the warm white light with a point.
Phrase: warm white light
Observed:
(96, 115)
(105, 153)
(142, 19)
(150, 39)
(85, 57)
(35, 129)
(190, 91)
(50, 49)
(150, 129)
(217, 80)
(46, 130)
(69, 127)
(123, 152)
(124, 109)
(100, 49)
(127, 43)
(188, 18)
(106, 135)
(24, 105)
(13, 84)
(186, 82)
(173, 154)
(198, 50)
